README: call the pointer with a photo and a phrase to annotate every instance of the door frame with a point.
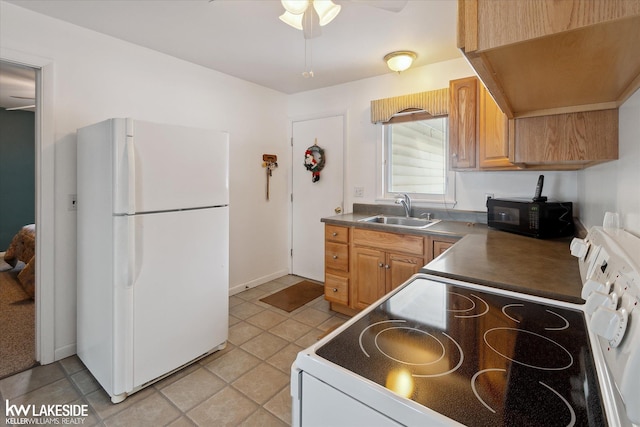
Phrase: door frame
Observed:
(345, 178)
(45, 206)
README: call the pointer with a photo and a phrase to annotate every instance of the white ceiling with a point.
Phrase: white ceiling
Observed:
(245, 38)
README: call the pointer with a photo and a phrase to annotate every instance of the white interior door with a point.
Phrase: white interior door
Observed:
(315, 200)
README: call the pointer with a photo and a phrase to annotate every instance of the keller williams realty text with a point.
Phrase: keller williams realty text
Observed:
(45, 414)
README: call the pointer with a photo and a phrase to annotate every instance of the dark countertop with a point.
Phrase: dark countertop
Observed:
(509, 261)
(495, 258)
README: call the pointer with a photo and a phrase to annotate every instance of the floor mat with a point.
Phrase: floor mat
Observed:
(295, 296)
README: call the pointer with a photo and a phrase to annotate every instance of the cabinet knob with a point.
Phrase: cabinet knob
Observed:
(334, 234)
(335, 289)
(387, 266)
(335, 257)
(381, 265)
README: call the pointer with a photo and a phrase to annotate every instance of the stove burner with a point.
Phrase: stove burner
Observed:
(414, 330)
(415, 339)
(473, 306)
(572, 413)
(542, 348)
(559, 328)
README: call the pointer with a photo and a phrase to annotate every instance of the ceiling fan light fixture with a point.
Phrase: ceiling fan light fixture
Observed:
(327, 10)
(290, 19)
(400, 60)
(298, 14)
(295, 7)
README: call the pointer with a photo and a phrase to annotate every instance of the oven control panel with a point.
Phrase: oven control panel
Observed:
(609, 262)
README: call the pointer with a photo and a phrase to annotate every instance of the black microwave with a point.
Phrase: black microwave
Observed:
(539, 219)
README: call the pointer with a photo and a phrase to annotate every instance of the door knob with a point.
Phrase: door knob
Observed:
(338, 210)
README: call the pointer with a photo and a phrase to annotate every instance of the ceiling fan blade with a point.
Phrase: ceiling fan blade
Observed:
(24, 107)
(390, 5)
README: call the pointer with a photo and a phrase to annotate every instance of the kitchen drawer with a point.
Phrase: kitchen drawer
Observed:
(336, 256)
(392, 242)
(336, 289)
(335, 233)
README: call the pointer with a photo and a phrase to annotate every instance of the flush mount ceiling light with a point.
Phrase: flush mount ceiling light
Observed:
(400, 60)
(299, 15)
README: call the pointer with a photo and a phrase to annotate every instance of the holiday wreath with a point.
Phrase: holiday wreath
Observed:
(314, 161)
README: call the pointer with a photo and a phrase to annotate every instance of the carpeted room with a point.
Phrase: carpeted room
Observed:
(17, 317)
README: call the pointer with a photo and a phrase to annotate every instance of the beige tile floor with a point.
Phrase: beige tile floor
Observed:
(246, 384)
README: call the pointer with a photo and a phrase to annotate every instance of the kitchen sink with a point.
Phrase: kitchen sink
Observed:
(401, 221)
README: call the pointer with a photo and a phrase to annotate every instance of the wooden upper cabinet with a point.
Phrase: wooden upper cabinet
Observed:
(463, 122)
(493, 134)
(569, 141)
(478, 129)
(544, 57)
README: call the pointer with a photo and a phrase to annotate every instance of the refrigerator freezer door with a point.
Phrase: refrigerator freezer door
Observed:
(180, 291)
(160, 167)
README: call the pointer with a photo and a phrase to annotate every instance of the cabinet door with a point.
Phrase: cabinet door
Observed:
(463, 122)
(369, 276)
(400, 268)
(493, 135)
(440, 246)
(575, 139)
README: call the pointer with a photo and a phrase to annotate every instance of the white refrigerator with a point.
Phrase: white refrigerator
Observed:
(153, 250)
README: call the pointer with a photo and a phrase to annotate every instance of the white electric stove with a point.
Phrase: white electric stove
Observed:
(438, 351)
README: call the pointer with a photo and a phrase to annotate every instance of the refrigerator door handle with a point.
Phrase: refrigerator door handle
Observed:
(131, 251)
(131, 176)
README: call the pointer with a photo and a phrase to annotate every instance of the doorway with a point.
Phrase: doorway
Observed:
(44, 202)
(17, 217)
(313, 199)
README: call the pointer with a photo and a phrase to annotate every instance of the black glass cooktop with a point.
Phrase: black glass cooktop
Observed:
(476, 357)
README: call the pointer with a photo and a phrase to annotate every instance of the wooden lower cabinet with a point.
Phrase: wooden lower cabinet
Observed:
(400, 268)
(363, 265)
(439, 246)
(376, 272)
(368, 276)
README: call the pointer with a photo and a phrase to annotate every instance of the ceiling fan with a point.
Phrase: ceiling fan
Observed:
(23, 107)
(309, 15)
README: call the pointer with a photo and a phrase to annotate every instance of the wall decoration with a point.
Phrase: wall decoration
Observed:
(269, 161)
(314, 160)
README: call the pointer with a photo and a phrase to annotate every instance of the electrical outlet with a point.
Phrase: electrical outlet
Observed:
(358, 192)
(72, 202)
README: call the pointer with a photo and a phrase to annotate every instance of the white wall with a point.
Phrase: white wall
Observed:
(363, 138)
(615, 186)
(96, 77)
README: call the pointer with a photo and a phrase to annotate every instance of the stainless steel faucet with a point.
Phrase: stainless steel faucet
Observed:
(405, 201)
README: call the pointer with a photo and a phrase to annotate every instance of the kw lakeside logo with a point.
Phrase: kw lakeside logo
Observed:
(58, 414)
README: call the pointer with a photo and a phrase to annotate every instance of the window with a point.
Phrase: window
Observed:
(415, 160)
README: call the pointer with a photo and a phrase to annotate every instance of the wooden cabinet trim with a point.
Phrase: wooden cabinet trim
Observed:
(403, 243)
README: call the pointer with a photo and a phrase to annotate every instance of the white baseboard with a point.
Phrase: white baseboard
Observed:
(64, 352)
(257, 282)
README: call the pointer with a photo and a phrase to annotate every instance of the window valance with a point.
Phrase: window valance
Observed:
(432, 103)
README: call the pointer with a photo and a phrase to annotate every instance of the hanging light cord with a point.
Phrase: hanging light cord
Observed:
(308, 66)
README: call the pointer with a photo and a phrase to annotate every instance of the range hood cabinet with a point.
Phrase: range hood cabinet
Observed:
(543, 57)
